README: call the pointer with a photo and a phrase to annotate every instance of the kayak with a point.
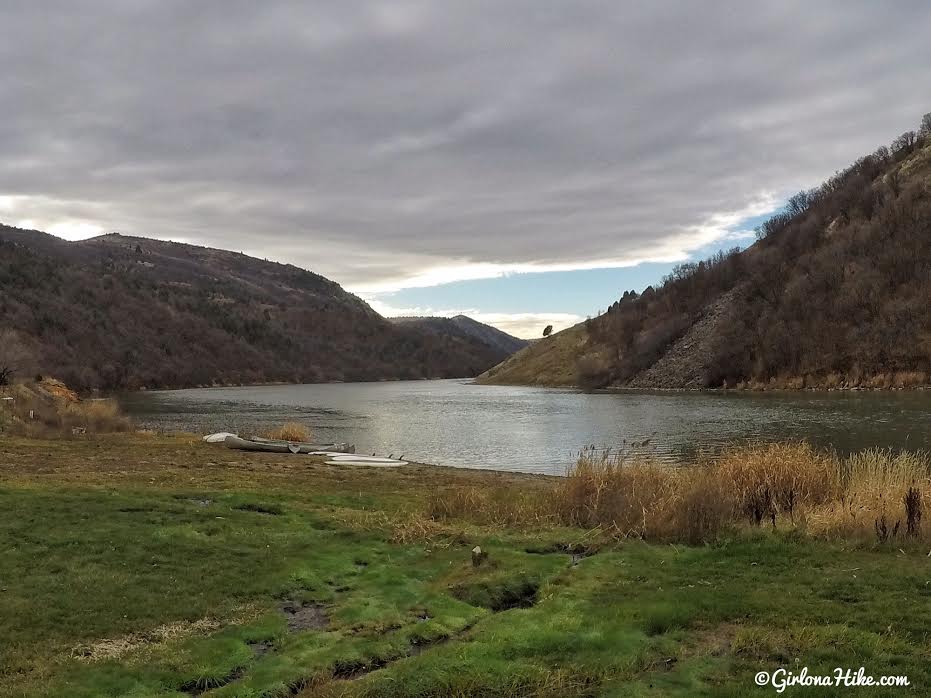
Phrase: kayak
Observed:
(370, 459)
(352, 459)
(217, 438)
(369, 462)
(277, 446)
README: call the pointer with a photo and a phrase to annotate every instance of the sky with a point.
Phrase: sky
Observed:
(524, 161)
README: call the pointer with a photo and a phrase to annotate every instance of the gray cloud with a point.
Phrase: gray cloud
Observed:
(373, 141)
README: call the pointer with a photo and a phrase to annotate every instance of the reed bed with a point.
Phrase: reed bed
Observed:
(874, 493)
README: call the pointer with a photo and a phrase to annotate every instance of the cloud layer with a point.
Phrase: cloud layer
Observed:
(387, 144)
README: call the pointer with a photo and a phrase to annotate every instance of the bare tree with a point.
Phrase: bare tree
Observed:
(925, 129)
(15, 356)
(904, 142)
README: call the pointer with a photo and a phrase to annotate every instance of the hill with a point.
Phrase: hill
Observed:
(118, 312)
(834, 293)
(547, 361)
(466, 327)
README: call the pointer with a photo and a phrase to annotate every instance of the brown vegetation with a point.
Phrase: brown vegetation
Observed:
(48, 408)
(117, 312)
(289, 431)
(15, 356)
(833, 294)
(547, 361)
(788, 485)
(836, 286)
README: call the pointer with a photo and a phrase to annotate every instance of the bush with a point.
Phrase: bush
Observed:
(290, 431)
(592, 372)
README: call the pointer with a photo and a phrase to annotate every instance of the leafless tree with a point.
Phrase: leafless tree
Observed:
(904, 142)
(925, 129)
(15, 356)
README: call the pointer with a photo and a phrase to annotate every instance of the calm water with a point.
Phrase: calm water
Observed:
(455, 422)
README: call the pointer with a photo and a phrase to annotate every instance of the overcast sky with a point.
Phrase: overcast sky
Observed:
(393, 146)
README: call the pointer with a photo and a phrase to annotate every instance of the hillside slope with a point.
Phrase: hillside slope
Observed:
(466, 327)
(122, 312)
(547, 361)
(835, 293)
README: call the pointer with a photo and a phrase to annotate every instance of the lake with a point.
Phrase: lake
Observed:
(455, 422)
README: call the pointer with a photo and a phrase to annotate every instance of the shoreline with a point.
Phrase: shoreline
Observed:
(605, 390)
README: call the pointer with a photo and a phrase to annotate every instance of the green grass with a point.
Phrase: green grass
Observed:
(109, 547)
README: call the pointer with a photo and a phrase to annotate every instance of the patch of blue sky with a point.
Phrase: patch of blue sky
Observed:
(582, 292)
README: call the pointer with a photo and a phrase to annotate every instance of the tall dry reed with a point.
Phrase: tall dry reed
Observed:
(787, 485)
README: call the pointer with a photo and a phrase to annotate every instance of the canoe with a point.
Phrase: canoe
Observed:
(276, 446)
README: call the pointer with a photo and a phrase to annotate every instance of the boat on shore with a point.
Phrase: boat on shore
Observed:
(278, 446)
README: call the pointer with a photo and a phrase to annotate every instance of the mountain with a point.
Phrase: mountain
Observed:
(466, 327)
(836, 292)
(119, 312)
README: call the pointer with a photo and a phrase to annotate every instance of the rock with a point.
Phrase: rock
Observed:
(684, 364)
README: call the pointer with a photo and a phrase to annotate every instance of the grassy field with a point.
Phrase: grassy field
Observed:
(146, 565)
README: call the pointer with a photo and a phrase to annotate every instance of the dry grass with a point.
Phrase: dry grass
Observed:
(632, 496)
(114, 648)
(854, 380)
(499, 506)
(787, 485)
(135, 643)
(548, 361)
(910, 379)
(874, 487)
(96, 416)
(49, 409)
(768, 480)
(290, 431)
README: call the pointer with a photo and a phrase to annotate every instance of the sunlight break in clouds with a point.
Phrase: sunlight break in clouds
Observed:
(678, 247)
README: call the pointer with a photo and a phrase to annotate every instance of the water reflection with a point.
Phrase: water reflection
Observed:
(538, 429)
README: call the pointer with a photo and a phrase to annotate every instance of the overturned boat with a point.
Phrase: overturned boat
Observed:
(278, 446)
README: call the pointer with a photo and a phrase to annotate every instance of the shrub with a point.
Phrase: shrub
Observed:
(290, 431)
(592, 372)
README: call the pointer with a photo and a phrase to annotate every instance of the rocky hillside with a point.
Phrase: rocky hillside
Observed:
(834, 293)
(121, 312)
(466, 327)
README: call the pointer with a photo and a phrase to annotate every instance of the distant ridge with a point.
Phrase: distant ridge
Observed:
(119, 312)
(467, 327)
